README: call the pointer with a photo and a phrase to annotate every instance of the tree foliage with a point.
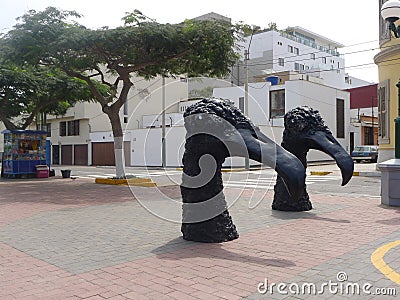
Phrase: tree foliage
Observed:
(142, 46)
(253, 29)
(26, 92)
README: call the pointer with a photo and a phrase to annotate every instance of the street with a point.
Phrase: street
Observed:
(260, 179)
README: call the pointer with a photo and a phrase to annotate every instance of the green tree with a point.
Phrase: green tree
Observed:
(27, 92)
(141, 47)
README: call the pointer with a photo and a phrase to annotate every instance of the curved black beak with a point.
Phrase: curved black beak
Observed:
(326, 143)
(267, 152)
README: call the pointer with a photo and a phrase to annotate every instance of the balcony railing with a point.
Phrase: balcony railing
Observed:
(309, 43)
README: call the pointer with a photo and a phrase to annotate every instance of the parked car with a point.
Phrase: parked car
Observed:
(369, 153)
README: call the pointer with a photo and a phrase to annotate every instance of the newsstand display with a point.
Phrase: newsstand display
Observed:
(24, 150)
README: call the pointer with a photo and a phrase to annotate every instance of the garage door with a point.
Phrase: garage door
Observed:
(103, 154)
(81, 155)
(66, 154)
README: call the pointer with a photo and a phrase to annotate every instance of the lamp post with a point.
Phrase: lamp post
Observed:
(390, 12)
(390, 170)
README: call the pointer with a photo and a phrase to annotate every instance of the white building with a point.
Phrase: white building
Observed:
(295, 49)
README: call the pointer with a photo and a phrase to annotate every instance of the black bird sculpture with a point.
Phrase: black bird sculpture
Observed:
(216, 129)
(304, 130)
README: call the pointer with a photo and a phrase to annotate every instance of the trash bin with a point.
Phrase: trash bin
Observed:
(42, 171)
(66, 173)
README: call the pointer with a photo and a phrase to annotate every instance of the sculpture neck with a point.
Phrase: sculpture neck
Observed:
(297, 149)
(202, 175)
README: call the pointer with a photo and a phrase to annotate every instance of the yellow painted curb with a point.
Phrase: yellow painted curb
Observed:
(179, 169)
(233, 170)
(145, 182)
(356, 173)
(379, 263)
(320, 173)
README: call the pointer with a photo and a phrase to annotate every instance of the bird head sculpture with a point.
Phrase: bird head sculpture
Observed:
(304, 130)
(216, 129)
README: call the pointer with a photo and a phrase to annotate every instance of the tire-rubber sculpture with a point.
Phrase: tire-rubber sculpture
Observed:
(304, 130)
(216, 129)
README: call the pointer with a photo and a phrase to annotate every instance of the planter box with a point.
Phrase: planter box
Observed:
(390, 182)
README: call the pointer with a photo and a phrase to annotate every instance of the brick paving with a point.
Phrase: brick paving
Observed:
(73, 239)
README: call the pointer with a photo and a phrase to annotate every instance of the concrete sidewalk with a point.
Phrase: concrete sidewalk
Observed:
(73, 239)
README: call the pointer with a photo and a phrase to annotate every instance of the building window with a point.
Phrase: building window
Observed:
(324, 60)
(340, 132)
(368, 135)
(383, 112)
(298, 67)
(48, 129)
(73, 128)
(277, 103)
(63, 128)
(313, 56)
(296, 50)
(70, 128)
(290, 49)
(281, 62)
(241, 104)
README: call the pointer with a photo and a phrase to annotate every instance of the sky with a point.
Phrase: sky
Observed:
(353, 23)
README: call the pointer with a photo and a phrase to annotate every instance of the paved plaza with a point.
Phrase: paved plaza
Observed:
(74, 239)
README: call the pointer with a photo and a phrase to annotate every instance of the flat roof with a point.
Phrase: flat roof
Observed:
(316, 36)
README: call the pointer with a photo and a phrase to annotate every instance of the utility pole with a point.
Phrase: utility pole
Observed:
(246, 97)
(163, 139)
(246, 89)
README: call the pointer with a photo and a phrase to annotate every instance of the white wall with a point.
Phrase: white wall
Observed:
(146, 146)
(258, 100)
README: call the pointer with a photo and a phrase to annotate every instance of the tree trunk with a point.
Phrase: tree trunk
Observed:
(7, 123)
(118, 141)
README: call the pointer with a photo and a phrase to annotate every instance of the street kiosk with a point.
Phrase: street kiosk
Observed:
(24, 152)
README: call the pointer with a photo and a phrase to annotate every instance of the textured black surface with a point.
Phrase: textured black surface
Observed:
(215, 130)
(304, 130)
(218, 228)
